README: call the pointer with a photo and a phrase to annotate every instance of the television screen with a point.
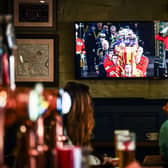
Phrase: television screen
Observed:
(125, 49)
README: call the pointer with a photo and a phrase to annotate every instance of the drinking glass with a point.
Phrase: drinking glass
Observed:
(116, 132)
(69, 157)
(126, 148)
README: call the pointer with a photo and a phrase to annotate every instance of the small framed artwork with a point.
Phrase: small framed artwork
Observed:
(33, 13)
(36, 61)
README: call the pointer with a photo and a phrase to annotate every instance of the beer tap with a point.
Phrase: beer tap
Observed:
(4, 71)
(31, 146)
(34, 151)
(1, 51)
(11, 43)
(63, 104)
(37, 106)
(60, 105)
(3, 99)
(5, 33)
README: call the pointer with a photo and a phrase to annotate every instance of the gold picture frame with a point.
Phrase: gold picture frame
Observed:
(33, 13)
(34, 60)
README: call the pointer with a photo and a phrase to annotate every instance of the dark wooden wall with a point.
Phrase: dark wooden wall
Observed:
(135, 114)
(69, 11)
(4, 7)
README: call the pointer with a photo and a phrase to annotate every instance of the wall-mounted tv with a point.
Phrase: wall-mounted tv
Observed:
(121, 49)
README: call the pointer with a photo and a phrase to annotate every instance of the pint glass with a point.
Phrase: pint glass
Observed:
(116, 132)
(69, 157)
(126, 149)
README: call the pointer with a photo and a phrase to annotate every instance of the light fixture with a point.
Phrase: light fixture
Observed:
(42, 1)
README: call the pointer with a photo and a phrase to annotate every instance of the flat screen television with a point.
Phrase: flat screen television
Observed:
(121, 49)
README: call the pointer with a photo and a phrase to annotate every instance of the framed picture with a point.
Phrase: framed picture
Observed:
(36, 61)
(34, 13)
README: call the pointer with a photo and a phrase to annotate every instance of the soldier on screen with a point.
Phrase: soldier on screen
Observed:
(111, 65)
(163, 36)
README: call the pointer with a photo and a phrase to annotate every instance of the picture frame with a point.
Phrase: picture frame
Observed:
(36, 61)
(34, 13)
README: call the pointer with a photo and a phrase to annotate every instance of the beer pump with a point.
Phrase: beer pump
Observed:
(7, 73)
(37, 106)
(11, 41)
(3, 98)
(31, 104)
(7, 49)
(63, 105)
(37, 153)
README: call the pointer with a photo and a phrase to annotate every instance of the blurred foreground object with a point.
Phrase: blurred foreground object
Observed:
(36, 139)
(7, 72)
(165, 108)
(134, 165)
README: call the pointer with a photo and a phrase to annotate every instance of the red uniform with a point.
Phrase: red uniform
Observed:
(80, 46)
(164, 39)
(111, 69)
(142, 66)
(80, 49)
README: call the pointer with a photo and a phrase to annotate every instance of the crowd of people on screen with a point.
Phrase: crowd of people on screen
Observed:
(110, 51)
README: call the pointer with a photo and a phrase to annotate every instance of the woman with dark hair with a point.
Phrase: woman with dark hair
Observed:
(80, 123)
(80, 120)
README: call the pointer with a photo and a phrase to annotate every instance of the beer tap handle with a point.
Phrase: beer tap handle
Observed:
(11, 42)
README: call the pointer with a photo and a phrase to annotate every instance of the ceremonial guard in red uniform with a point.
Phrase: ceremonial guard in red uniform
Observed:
(80, 46)
(142, 66)
(111, 65)
(141, 63)
(163, 39)
(80, 52)
(163, 36)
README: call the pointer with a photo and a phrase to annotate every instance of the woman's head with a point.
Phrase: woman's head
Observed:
(80, 120)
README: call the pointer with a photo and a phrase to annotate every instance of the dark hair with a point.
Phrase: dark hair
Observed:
(80, 120)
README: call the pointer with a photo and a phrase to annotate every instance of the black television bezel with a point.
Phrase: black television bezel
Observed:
(113, 78)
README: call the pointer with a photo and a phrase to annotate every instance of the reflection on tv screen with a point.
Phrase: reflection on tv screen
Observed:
(121, 49)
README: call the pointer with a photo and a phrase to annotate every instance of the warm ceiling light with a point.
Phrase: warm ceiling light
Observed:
(42, 1)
